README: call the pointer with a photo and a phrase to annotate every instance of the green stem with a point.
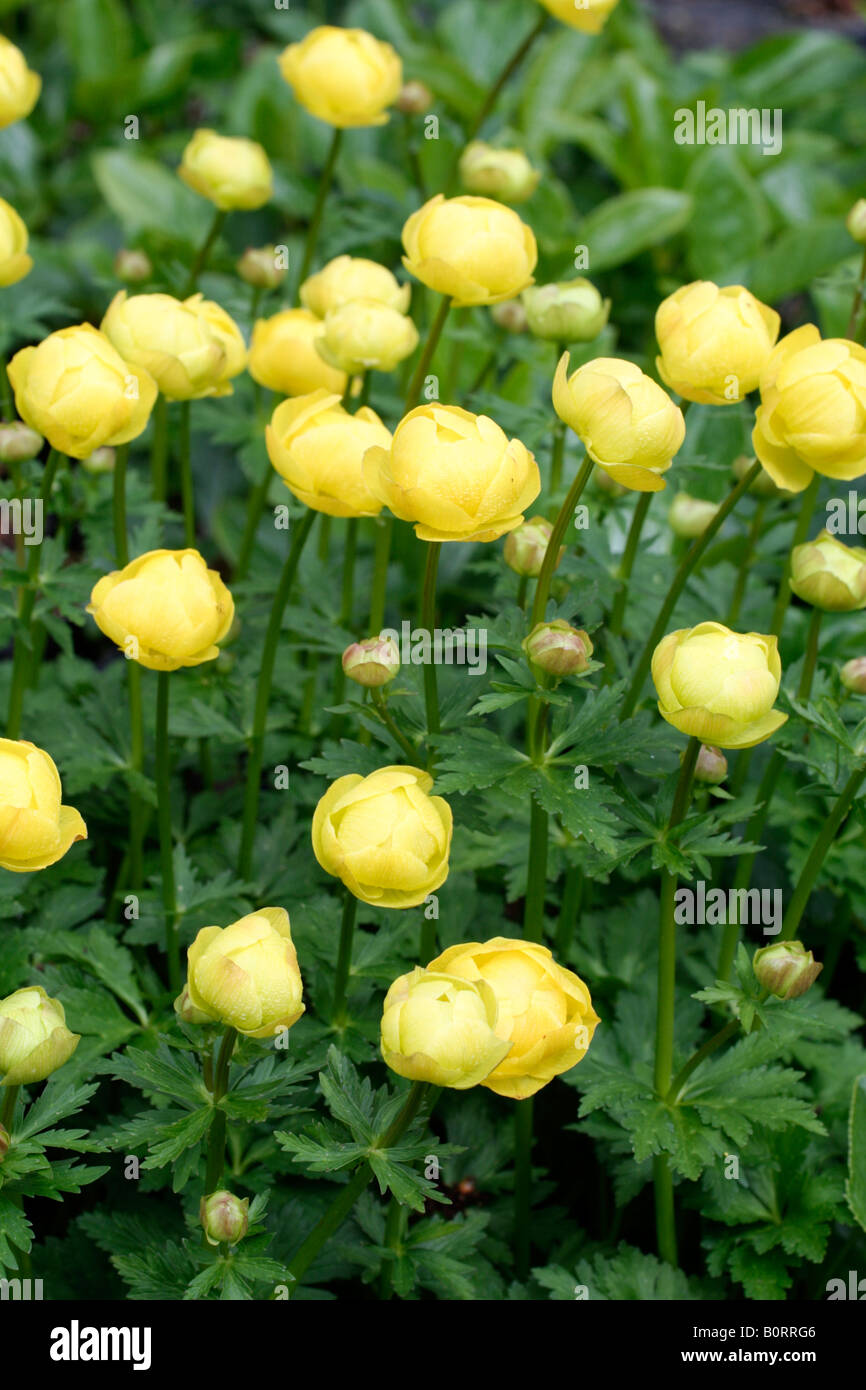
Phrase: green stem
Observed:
(216, 1144)
(810, 660)
(381, 553)
(744, 570)
(24, 635)
(394, 730)
(203, 252)
(10, 1096)
(507, 72)
(121, 547)
(186, 482)
(705, 1050)
(801, 532)
(858, 300)
(626, 564)
(523, 1140)
(556, 457)
(347, 597)
(159, 450)
(136, 763)
(812, 867)
(415, 385)
(255, 507)
(536, 879)
(686, 566)
(344, 959)
(343, 1204)
(263, 694)
(166, 846)
(427, 939)
(666, 1225)
(325, 181)
(572, 893)
(557, 535)
(428, 621)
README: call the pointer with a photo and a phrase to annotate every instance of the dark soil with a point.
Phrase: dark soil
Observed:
(735, 24)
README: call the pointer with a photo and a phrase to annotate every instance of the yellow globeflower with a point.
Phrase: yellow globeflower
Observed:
(318, 450)
(171, 340)
(457, 476)
(627, 423)
(229, 170)
(227, 334)
(246, 976)
(14, 260)
(352, 277)
(35, 829)
(590, 16)
(165, 609)
(344, 76)
(78, 391)
(714, 342)
(497, 173)
(34, 1039)
(719, 686)
(440, 1028)
(19, 87)
(473, 249)
(384, 836)
(812, 416)
(545, 1012)
(283, 355)
(829, 575)
(366, 336)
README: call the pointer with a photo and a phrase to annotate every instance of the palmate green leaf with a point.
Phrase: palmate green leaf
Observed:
(322, 1154)
(159, 1271)
(622, 1275)
(855, 1187)
(167, 1071)
(586, 813)
(15, 1230)
(474, 760)
(58, 1099)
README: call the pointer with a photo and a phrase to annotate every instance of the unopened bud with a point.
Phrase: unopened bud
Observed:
(260, 267)
(510, 315)
(763, 486)
(414, 99)
(526, 547)
(571, 311)
(100, 461)
(5, 1141)
(373, 662)
(132, 266)
(786, 969)
(558, 648)
(186, 1010)
(853, 675)
(491, 172)
(690, 516)
(18, 442)
(711, 766)
(829, 574)
(224, 1217)
(856, 221)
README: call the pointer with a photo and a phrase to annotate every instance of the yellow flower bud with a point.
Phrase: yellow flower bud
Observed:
(344, 76)
(318, 450)
(259, 266)
(283, 355)
(79, 391)
(497, 173)
(347, 278)
(165, 609)
(373, 662)
(714, 342)
(132, 265)
(786, 969)
(457, 476)
(34, 1039)
(627, 423)
(510, 316)
(856, 221)
(229, 170)
(440, 1028)
(227, 334)
(571, 311)
(545, 1011)
(366, 336)
(224, 1217)
(690, 516)
(171, 340)
(526, 547)
(829, 575)
(19, 87)
(246, 976)
(589, 16)
(414, 98)
(14, 260)
(384, 836)
(100, 461)
(812, 416)
(711, 766)
(719, 686)
(35, 830)
(853, 675)
(187, 1011)
(18, 442)
(473, 249)
(558, 648)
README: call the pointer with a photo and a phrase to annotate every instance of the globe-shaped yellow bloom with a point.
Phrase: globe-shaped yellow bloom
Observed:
(719, 686)
(440, 1028)
(545, 1012)
(829, 574)
(227, 334)
(344, 76)
(172, 340)
(457, 476)
(473, 249)
(14, 260)
(246, 976)
(627, 423)
(366, 336)
(812, 416)
(384, 836)
(165, 609)
(590, 16)
(714, 342)
(78, 391)
(35, 829)
(283, 355)
(19, 87)
(34, 1039)
(352, 277)
(318, 450)
(229, 170)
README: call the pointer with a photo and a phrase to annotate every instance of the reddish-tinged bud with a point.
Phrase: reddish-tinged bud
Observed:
(853, 675)
(786, 969)
(132, 266)
(526, 546)
(510, 315)
(373, 662)
(414, 99)
(261, 267)
(18, 442)
(558, 649)
(224, 1217)
(712, 765)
